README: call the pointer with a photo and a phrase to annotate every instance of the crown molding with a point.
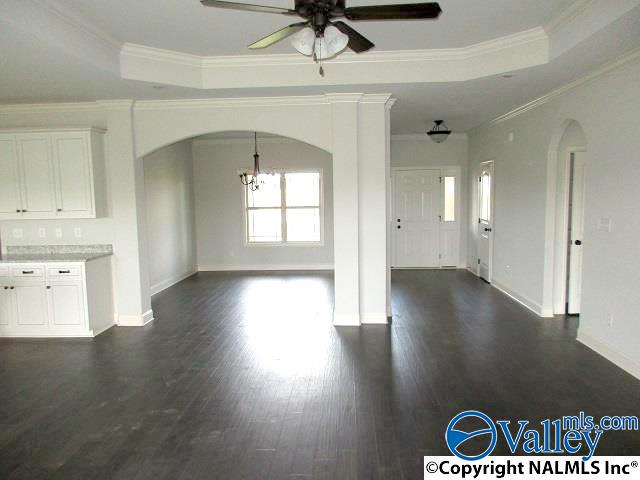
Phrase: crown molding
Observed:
(508, 53)
(252, 102)
(49, 107)
(566, 16)
(116, 104)
(74, 20)
(606, 68)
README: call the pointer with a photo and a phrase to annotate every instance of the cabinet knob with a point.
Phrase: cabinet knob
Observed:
(18, 210)
(48, 287)
(6, 288)
(12, 288)
(23, 211)
(59, 209)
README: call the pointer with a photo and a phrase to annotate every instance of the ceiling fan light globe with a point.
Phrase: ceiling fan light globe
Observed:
(332, 43)
(438, 137)
(304, 40)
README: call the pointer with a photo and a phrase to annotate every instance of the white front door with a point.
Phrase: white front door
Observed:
(576, 229)
(416, 218)
(485, 220)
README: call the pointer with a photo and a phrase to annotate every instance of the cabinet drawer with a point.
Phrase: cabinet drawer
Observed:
(65, 271)
(28, 272)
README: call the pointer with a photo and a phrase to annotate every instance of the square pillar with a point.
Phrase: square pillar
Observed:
(345, 208)
(374, 202)
(126, 178)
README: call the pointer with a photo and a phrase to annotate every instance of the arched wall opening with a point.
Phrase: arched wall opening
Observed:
(568, 141)
(196, 214)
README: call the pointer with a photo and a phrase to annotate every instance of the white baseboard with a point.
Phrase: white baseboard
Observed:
(630, 366)
(160, 286)
(232, 268)
(346, 320)
(473, 271)
(135, 320)
(103, 329)
(373, 318)
(521, 299)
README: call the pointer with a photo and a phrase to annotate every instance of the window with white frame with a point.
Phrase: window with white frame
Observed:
(287, 208)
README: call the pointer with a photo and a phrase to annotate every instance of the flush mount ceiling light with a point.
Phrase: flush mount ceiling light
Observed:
(318, 34)
(439, 132)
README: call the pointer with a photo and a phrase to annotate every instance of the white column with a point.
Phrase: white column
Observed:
(373, 199)
(126, 177)
(345, 208)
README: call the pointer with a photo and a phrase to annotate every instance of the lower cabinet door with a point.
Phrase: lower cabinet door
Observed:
(32, 313)
(66, 308)
(6, 311)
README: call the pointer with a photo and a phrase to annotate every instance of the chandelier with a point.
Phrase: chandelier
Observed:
(251, 181)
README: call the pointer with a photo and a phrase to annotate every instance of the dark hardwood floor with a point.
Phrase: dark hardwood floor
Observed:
(241, 375)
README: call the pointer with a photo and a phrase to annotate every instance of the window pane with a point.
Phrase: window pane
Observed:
(485, 197)
(303, 224)
(268, 195)
(449, 199)
(265, 225)
(303, 189)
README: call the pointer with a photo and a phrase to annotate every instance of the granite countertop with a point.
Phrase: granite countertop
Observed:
(51, 257)
(55, 253)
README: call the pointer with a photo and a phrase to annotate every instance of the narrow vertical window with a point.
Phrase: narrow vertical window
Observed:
(449, 199)
(485, 197)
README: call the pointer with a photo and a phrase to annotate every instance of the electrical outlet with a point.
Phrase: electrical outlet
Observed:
(77, 232)
(42, 232)
(58, 233)
(16, 233)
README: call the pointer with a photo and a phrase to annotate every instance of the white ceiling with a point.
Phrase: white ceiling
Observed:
(187, 26)
(36, 70)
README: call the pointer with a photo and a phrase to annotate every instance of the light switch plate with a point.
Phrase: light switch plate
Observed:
(42, 232)
(77, 232)
(58, 233)
(16, 233)
(604, 224)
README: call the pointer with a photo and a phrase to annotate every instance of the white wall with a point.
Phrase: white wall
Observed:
(421, 151)
(219, 216)
(168, 184)
(525, 174)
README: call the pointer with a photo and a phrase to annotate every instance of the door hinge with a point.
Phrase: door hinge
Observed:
(478, 261)
(440, 256)
(440, 179)
(440, 217)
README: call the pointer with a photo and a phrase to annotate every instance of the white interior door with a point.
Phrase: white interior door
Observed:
(576, 230)
(485, 220)
(416, 218)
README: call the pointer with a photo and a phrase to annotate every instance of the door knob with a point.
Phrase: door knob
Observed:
(487, 230)
(578, 242)
(398, 220)
(399, 227)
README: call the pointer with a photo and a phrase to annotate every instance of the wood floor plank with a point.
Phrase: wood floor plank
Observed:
(243, 376)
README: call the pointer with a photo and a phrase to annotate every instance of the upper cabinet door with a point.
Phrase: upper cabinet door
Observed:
(9, 191)
(72, 161)
(38, 188)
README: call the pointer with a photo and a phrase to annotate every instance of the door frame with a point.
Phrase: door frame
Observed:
(458, 207)
(477, 216)
(561, 283)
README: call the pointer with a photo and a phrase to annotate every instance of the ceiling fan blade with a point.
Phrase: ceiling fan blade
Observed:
(279, 35)
(394, 12)
(247, 6)
(357, 42)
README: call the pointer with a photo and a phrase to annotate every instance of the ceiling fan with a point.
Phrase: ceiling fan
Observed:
(319, 35)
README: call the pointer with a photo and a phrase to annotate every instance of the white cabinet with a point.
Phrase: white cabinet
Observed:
(52, 174)
(56, 300)
(10, 202)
